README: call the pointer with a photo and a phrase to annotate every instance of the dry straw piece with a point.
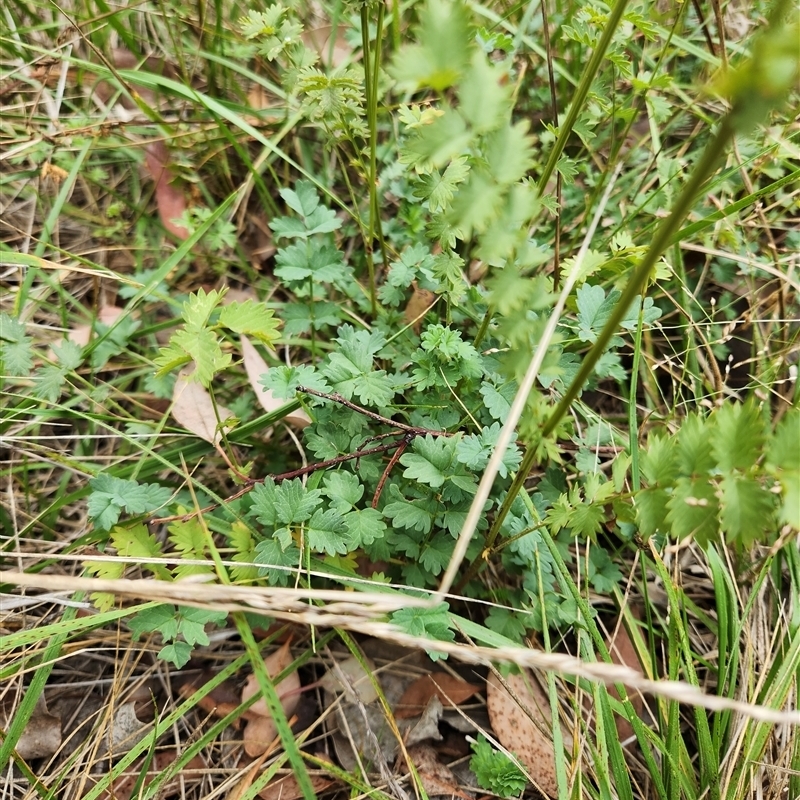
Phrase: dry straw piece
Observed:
(357, 611)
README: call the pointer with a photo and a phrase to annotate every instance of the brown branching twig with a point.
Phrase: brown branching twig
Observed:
(409, 432)
(283, 476)
(337, 398)
(390, 466)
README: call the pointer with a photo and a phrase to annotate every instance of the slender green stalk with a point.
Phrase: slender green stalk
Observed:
(581, 92)
(633, 419)
(271, 698)
(683, 205)
(35, 689)
(371, 67)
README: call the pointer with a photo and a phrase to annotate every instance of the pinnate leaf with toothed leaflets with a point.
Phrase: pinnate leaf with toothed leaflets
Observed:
(321, 262)
(276, 562)
(747, 510)
(327, 532)
(509, 153)
(138, 544)
(350, 368)
(651, 511)
(182, 628)
(343, 489)
(477, 203)
(484, 95)
(52, 377)
(443, 52)
(695, 454)
(415, 514)
(364, 527)
(283, 381)
(739, 436)
(286, 503)
(439, 188)
(498, 399)
(16, 352)
(436, 554)
(110, 496)
(437, 144)
(200, 346)
(253, 319)
(659, 464)
(693, 510)
(603, 573)
(594, 310)
(650, 314)
(431, 460)
(316, 218)
(783, 459)
(430, 623)
(495, 771)
(474, 450)
(198, 308)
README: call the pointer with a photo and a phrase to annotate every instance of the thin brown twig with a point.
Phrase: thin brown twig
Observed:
(390, 466)
(408, 431)
(337, 398)
(284, 476)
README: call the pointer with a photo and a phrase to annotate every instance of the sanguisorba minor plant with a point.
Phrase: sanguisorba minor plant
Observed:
(479, 370)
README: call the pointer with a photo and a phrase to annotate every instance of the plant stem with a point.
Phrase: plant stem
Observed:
(664, 234)
(576, 106)
(372, 60)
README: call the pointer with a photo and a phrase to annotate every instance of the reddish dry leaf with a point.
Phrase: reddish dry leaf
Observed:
(260, 730)
(192, 407)
(256, 367)
(122, 787)
(259, 735)
(287, 788)
(108, 315)
(419, 304)
(220, 701)
(170, 200)
(515, 728)
(623, 652)
(436, 778)
(449, 690)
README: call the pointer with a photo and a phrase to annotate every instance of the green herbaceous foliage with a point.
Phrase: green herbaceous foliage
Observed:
(412, 280)
(495, 771)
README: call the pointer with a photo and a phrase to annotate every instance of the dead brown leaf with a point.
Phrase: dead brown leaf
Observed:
(193, 408)
(126, 729)
(260, 730)
(42, 735)
(220, 701)
(170, 200)
(349, 676)
(256, 367)
(623, 652)
(436, 778)
(287, 788)
(519, 714)
(427, 726)
(81, 334)
(449, 689)
(122, 787)
(419, 304)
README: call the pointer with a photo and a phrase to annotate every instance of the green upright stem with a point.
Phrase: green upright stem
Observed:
(683, 205)
(576, 106)
(372, 61)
